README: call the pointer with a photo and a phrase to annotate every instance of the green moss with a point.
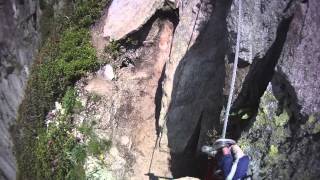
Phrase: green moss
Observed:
(273, 151)
(316, 128)
(86, 129)
(95, 145)
(282, 119)
(261, 119)
(311, 119)
(59, 155)
(243, 143)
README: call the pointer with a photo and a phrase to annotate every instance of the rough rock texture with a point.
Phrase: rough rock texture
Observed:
(128, 108)
(280, 147)
(193, 83)
(18, 42)
(173, 92)
(299, 63)
(275, 34)
(283, 138)
(258, 28)
(126, 16)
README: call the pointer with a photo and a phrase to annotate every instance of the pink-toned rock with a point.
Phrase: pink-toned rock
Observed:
(126, 16)
(99, 86)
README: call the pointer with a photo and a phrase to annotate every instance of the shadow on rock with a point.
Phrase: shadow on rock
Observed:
(197, 95)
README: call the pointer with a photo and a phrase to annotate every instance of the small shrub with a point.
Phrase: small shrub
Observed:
(95, 145)
(85, 129)
(57, 150)
(69, 100)
(98, 146)
(113, 49)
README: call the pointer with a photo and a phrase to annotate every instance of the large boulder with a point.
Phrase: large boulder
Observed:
(127, 16)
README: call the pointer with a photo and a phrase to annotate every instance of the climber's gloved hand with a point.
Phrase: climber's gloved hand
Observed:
(233, 162)
(226, 150)
(237, 151)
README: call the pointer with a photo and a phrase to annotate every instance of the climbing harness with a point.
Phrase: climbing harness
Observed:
(212, 150)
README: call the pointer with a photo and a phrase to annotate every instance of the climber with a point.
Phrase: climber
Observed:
(232, 162)
(234, 165)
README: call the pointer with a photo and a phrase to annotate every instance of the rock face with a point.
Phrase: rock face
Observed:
(299, 63)
(259, 23)
(283, 50)
(277, 126)
(193, 84)
(18, 43)
(161, 108)
(129, 107)
(283, 137)
(126, 16)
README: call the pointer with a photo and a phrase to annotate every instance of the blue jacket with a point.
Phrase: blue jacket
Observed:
(226, 162)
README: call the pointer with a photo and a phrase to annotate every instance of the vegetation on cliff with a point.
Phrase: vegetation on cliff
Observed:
(65, 56)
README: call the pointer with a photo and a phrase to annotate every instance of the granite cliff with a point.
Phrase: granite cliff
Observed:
(163, 81)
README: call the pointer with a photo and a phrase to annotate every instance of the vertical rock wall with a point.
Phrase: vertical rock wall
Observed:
(279, 44)
(279, 47)
(18, 43)
(282, 135)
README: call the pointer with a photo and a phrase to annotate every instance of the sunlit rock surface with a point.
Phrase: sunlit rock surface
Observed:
(126, 16)
(172, 94)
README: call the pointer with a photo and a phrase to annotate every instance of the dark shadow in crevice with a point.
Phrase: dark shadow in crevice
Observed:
(140, 35)
(187, 162)
(260, 74)
(241, 62)
(173, 16)
(197, 94)
(157, 101)
(288, 6)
